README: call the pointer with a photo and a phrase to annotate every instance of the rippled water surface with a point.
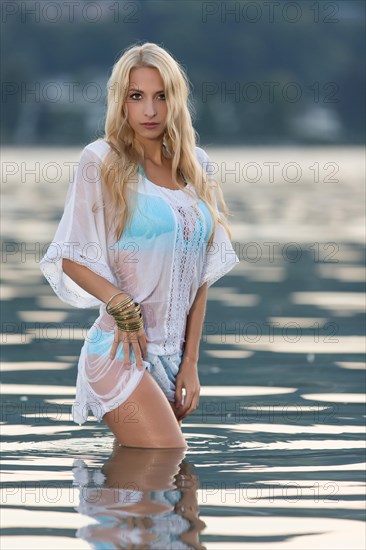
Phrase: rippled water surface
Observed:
(276, 453)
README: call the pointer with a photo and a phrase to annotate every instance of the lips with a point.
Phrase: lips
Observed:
(150, 125)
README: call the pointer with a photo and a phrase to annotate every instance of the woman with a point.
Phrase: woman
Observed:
(141, 238)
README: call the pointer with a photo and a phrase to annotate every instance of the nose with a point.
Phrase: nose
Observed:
(150, 110)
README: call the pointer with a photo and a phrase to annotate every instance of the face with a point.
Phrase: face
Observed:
(146, 103)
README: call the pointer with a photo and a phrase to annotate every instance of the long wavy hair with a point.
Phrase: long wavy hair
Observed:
(121, 163)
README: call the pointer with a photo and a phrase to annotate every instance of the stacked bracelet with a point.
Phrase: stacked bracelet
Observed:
(123, 319)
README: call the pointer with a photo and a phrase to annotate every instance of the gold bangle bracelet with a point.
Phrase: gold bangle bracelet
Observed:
(114, 295)
(131, 319)
(129, 328)
(119, 309)
(131, 323)
(125, 304)
(127, 314)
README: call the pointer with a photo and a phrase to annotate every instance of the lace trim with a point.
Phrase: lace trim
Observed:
(190, 234)
(64, 287)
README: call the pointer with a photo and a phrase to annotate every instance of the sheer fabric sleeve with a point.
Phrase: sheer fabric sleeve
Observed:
(80, 235)
(221, 257)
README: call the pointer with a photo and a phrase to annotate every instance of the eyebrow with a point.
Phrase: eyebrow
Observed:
(141, 91)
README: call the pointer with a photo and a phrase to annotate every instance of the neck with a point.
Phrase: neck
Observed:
(156, 156)
(155, 152)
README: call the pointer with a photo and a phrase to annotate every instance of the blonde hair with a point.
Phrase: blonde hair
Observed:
(121, 163)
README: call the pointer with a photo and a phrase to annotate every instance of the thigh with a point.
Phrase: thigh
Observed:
(146, 419)
(175, 411)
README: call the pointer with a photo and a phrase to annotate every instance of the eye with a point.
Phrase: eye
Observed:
(138, 94)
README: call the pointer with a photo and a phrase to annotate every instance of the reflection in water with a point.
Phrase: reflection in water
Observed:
(140, 498)
(278, 438)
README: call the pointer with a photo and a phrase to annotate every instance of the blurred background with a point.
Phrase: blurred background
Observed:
(261, 72)
(276, 448)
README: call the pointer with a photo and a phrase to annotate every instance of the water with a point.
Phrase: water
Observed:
(276, 451)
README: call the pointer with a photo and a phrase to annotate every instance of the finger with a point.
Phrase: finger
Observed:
(133, 337)
(143, 345)
(189, 409)
(176, 410)
(138, 356)
(187, 403)
(126, 352)
(178, 393)
(112, 352)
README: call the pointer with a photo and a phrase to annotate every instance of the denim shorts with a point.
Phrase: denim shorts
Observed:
(164, 369)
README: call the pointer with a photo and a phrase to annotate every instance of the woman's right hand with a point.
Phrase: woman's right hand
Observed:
(136, 338)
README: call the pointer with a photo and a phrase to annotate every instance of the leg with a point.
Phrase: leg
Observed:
(146, 419)
(174, 410)
(147, 469)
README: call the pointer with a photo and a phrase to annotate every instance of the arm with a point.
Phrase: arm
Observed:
(194, 324)
(82, 224)
(103, 289)
(187, 376)
(91, 282)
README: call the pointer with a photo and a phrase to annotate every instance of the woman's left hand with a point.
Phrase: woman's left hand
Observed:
(187, 378)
